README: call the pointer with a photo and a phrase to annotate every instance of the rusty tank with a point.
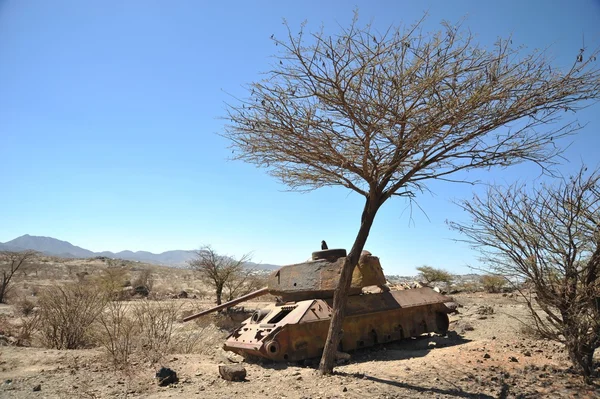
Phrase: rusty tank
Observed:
(295, 327)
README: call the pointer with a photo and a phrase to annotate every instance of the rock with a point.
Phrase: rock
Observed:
(183, 294)
(141, 290)
(37, 388)
(166, 376)
(486, 356)
(527, 353)
(233, 373)
(345, 389)
(485, 310)
(513, 359)
(342, 357)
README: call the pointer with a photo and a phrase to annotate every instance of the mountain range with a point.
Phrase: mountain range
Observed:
(64, 249)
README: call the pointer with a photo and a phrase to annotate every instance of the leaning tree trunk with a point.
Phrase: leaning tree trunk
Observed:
(340, 294)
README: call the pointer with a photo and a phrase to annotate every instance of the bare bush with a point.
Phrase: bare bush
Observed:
(19, 331)
(26, 329)
(155, 322)
(67, 313)
(549, 238)
(24, 306)
(117, 333)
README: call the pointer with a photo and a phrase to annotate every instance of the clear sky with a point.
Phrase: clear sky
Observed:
(109, 114)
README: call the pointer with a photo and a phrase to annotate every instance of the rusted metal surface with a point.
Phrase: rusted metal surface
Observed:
(298, 330)
(262, 291)
(318, 279)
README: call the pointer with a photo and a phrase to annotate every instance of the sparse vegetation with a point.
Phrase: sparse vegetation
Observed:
(67, 313)
(431, 275)
(156, 324)
(384, 112)
(549, 237)
(493, 283)
(143, 282)
(10, 263)
(223, 272)
(117, 332)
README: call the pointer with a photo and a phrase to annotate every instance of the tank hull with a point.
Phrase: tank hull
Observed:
(294, 331)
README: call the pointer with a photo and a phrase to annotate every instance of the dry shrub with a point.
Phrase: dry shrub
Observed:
(145, 279)
(67, 313)
(112, 280)
(467, 286)
(117, 332)
(18, 331)
(24, 306)
(26, 329)
(155, 321)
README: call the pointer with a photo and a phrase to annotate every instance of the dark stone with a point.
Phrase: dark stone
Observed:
(141, 290)
(486, 356)
(183, 294)
(166, 376)
(37, 388)
(513, 359)
(233, 373)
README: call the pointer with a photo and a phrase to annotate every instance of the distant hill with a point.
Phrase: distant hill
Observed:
(64, 249)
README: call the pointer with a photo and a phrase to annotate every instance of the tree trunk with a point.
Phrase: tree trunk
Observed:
(3, 287)
(340, 295)
(219, 292)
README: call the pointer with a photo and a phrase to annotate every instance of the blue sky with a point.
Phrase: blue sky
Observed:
(109, 114)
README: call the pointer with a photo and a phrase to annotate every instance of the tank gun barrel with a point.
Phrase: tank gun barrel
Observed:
(262, 291)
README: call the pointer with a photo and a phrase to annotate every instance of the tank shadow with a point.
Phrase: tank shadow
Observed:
(398, 350)
(408, 348)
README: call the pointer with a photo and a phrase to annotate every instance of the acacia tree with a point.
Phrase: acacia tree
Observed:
(548, 237)
(10, 263)
(221, 272)
(383, 113)
(432, 275)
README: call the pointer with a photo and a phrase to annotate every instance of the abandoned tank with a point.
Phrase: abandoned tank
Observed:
(296, 326)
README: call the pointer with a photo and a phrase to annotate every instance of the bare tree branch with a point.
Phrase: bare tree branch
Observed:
(548, 237)
(10, 263)
(382, 113)
(221, 271)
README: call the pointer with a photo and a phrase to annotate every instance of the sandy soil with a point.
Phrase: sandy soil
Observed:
(485, 355)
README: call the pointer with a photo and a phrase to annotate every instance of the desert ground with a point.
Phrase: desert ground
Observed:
(488, 353)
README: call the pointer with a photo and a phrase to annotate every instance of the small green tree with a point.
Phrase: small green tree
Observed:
(493, 283)
(431, 275)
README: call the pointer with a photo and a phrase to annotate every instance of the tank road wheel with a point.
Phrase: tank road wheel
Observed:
(441, 323)
(329, 254)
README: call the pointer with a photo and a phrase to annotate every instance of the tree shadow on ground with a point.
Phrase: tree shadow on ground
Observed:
(456, 392)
